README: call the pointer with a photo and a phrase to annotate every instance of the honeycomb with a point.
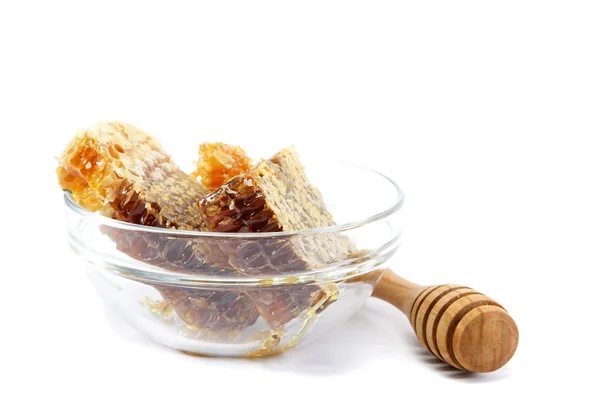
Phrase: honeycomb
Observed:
(123, 173)
(219, 162)
(275, 196)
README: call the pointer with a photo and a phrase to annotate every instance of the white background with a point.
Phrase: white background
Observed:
(486, 113)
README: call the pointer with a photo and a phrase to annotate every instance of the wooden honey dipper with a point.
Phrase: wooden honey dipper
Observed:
(458, 325)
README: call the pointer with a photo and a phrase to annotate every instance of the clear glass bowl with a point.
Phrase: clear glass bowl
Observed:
(180, 300)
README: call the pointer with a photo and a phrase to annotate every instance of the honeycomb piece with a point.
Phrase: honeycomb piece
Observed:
(275, 196)
(218, 163)
(228, 310)
(123, 173)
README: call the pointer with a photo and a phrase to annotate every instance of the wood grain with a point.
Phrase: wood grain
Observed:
(458, 325)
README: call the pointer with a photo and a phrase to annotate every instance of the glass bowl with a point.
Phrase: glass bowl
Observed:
(271, 302)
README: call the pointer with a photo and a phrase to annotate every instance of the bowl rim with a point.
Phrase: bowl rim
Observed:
(397, 204)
